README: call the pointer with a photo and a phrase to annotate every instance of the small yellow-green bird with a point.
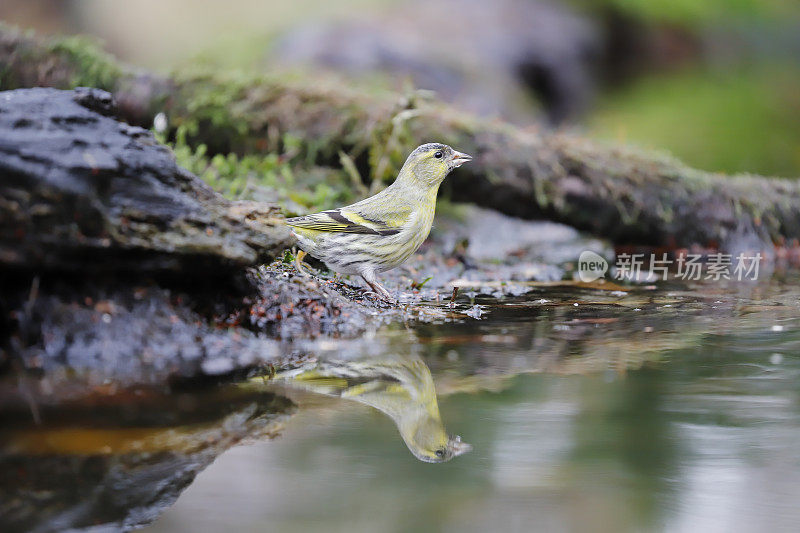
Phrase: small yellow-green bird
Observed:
(380, 232)
(398, 385)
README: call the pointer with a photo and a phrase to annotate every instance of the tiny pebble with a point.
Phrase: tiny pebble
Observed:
(776, 359)
(217, 366)
(160, 123)
(777, 327)
(474, 312)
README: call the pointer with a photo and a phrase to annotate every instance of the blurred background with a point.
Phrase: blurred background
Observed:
(676, 410)
(716, 82)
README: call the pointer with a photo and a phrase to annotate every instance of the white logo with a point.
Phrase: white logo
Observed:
(591, 266)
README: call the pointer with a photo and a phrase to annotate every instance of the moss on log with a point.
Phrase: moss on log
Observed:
(621, 194)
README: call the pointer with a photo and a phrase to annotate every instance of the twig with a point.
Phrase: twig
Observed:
(352, 171)
(453, 299)
(24, 326)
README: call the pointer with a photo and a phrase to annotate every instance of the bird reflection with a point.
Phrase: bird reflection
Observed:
(399, 386)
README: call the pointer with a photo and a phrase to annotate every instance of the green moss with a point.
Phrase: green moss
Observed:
(243, 133)
(273, 177)
(228, 130)
(211, 109)
(93, 66)
(288, 257)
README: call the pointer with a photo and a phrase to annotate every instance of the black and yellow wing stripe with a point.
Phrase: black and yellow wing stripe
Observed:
(342, 221)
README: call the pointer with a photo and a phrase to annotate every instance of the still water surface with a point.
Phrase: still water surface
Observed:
(674, 408)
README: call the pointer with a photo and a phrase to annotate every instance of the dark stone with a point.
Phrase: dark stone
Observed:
(81, 191)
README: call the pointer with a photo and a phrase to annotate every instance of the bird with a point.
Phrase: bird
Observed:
(398, 385)
(382, 231)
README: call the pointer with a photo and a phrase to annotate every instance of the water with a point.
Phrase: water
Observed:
(673, 408)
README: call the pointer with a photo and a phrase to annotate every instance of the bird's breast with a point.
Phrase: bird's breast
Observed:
(414, 233)
(420, 225)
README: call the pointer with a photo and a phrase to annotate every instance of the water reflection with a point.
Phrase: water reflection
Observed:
(670, 409)
(667, 409)
(400, 386)
(118, 460)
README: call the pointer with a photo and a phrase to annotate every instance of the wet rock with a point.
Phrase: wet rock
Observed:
(480, 248)
(127, 335)
(82, 191)
(71, 334)
(290, 306)
(493, 236)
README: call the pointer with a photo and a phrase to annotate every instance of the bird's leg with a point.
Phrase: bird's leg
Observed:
(383, 292)
(371, 286)
(298, 263)
(372, 281)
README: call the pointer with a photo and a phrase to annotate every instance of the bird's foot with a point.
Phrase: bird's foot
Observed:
(380, 291)
(381, 298)
(298, 264)
(383, 293)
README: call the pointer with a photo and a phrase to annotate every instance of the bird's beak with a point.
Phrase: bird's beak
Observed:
(459, 158)
(458, 446)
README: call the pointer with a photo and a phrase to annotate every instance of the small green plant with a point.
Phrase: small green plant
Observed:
(417, 285)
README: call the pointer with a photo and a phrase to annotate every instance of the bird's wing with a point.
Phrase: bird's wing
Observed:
(349, 220)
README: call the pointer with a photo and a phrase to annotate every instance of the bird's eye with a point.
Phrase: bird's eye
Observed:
(440, 453)
(438, 155)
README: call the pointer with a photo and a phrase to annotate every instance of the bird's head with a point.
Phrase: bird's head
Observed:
(429, 442)
(432, 162)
